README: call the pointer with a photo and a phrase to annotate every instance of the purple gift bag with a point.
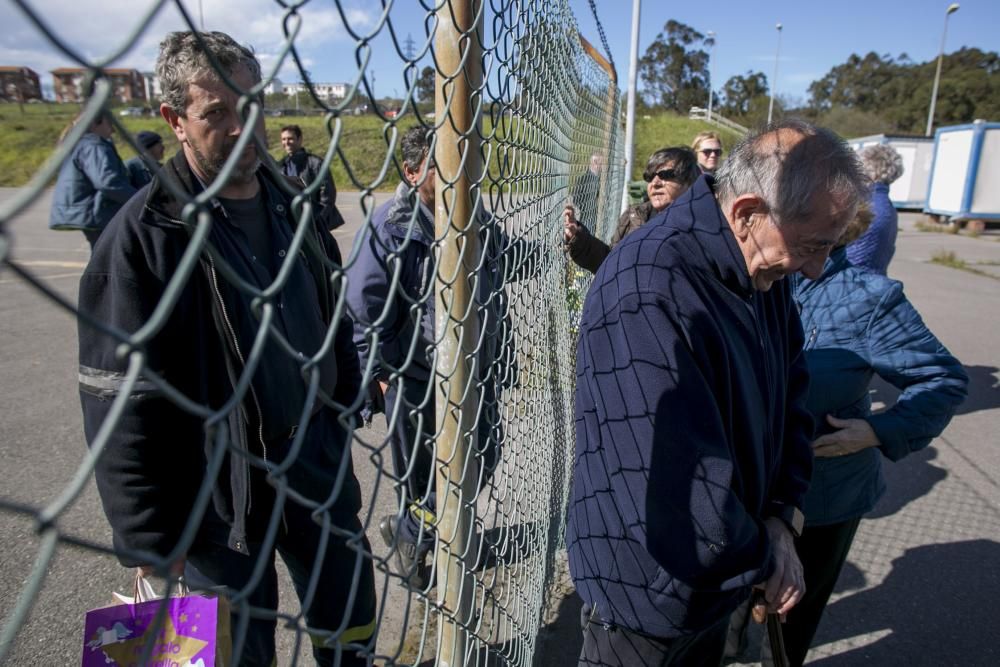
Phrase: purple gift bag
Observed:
(194, 633)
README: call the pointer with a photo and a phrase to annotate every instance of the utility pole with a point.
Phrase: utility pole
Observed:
(711, 48)
(408, 47)
(633, 66)
(774, 83)
(952, 8)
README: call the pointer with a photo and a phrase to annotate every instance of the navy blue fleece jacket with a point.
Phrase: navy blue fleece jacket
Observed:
(691, 427)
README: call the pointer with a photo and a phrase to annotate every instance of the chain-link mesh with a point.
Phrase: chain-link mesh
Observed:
(456, 304)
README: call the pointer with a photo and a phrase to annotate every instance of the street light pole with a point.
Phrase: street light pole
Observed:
(952, 8)
(633, 66)
(711, 47)
(774, 82)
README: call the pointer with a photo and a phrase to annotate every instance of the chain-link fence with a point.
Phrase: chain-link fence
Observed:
(393, 418)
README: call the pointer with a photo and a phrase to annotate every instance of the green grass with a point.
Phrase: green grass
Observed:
(28, 138)
(660, 130)
(950, 259)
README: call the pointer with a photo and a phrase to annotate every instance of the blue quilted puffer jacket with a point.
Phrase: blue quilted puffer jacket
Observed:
(875, 248)
(859, 324)
(91, 187)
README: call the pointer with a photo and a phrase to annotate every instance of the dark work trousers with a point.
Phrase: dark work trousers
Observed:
(411, 438)
(345, 587)
(617, 647)
(823, 551)
(412, 443)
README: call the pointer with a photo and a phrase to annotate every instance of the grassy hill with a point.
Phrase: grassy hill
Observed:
(28, 138)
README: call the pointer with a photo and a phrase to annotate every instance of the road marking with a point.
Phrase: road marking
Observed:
(42, 278)
(53, 263)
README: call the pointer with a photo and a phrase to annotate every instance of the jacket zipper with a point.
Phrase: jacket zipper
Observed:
(239, 354)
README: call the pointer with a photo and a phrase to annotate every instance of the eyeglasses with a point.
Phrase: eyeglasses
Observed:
(708, 152)
(663, 174)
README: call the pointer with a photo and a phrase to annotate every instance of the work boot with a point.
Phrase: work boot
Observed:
(411, 560)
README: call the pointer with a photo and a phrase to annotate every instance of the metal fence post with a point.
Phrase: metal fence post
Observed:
(458, 159)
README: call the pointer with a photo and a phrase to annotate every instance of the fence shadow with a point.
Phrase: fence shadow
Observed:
(936, 604)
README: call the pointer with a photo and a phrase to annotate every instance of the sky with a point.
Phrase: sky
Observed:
(815, 36)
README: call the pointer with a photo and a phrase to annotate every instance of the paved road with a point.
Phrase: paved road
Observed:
(922, 580)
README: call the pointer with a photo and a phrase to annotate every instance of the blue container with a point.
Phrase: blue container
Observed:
(965, 173)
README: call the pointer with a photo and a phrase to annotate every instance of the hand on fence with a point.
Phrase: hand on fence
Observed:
(571, 226)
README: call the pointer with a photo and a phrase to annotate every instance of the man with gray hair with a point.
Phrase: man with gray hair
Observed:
(275, 457)
(693, 442)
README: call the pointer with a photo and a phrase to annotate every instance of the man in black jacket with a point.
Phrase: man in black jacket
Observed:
(693, 442)
(230, 433)
(306, 167)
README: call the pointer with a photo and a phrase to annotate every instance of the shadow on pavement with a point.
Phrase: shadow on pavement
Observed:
(938, 605)
(984, 389)
(560, 641)
(906, 480)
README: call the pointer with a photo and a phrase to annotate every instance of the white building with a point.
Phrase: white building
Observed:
(274, 87)
(152, 85)
(329, 91)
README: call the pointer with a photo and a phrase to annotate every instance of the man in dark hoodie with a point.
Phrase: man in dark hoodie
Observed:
(207, 400)
(693, 442)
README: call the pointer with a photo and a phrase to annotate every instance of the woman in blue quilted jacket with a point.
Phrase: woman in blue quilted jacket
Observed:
(858, 324)
(92, 183)
(874, 249)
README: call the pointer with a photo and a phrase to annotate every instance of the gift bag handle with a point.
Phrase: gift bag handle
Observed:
(143, 591)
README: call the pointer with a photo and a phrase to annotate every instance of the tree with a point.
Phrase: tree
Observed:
(425, 85)
(898, 90)
(743, 94)
(674, 69)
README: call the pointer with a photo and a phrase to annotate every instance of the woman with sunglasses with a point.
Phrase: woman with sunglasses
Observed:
(708, 147)
(669, 173)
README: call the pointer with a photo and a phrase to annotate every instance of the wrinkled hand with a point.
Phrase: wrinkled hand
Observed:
(786, 586)
(571, 226)
(852, 435)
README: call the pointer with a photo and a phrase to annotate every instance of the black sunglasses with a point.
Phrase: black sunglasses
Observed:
(711, 151)
(664, 174)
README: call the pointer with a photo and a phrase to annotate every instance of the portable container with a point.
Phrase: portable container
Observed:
(909, 191)
(965, 172)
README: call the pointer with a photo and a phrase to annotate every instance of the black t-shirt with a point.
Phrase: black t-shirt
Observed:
(252, 219)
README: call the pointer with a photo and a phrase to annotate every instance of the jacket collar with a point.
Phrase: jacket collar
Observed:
(697, 212)
(401, 213)
(835, 263)
(162, 202)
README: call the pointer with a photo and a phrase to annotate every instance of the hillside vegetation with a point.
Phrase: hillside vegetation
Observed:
(27, 139)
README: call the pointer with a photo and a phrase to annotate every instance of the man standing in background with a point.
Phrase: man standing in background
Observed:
(300, 164)
(139, 173)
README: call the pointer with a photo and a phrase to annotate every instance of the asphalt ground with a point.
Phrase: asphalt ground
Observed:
(922, 579)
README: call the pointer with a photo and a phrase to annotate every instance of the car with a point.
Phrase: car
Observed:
(131, 111)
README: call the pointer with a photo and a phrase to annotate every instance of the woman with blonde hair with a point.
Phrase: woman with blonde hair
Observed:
(708, 147)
